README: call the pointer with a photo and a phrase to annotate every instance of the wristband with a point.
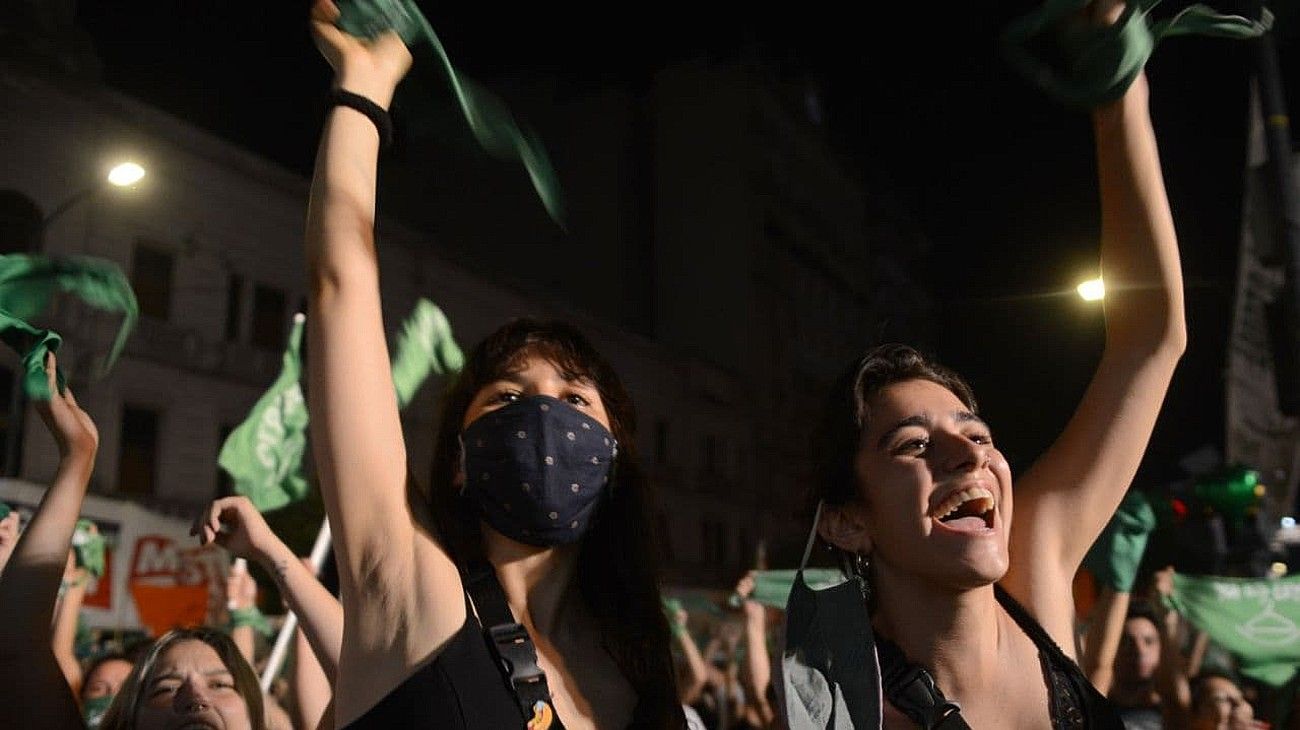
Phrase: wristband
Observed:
(250, 616)
(375, 113)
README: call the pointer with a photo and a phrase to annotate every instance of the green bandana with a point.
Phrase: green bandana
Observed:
(1256, 619)
(251, 616)
(1115, 557)
(488, 117)
(5, 510)
(28, 284)
(425, 346)
(32, 345)
(263, 455)
(772, 587)
(89, 548)
(1084, 65)
(93, 710)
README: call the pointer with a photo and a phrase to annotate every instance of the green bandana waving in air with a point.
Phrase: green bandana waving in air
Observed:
(1085, 65)
(488, 117)
(28, 284)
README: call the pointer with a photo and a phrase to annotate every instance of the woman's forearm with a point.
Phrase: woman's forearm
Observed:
(31, 579)
(320, 615)
(1102, 644)
(64, 635)
(1139, 247)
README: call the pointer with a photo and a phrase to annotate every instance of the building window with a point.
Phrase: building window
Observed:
(234, 305)
(665, 537)
(137, 466)
(11, 423)
(269, 322)
(714, 534)
(661, 441)
(225, 485)
(709, 455)
(21, 223)
(151, 278)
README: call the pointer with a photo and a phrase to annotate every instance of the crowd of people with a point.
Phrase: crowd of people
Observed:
(518, 586)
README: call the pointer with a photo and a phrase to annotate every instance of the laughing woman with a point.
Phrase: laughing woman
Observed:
(919, 498)
(535, 524)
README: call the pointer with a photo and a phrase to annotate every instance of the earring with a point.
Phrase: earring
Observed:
(861, 567)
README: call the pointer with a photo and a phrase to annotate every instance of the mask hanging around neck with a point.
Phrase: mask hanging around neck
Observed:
(830, 671)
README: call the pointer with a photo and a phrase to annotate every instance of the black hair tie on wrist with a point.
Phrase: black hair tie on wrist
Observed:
(375, 113)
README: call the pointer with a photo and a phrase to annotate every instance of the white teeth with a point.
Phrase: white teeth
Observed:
(957, 499)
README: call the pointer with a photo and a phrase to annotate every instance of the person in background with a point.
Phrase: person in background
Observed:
(8, 534)
(1218, 704)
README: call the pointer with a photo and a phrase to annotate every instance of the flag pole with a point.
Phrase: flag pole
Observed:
(281, 649)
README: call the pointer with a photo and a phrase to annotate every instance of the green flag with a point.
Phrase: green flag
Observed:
(772, 587)
(424, 346)
(88, 545)
(1083, 64)
(263, 455)
(28, 284)
(488, 117)
(32, 345)
(1115, 557)
(1256, 619)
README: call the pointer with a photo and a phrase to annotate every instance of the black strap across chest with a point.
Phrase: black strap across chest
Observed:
(510, 644)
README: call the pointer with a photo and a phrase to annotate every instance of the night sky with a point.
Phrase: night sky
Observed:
(1000, 178)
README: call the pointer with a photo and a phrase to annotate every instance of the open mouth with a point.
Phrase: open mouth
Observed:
(967, 510)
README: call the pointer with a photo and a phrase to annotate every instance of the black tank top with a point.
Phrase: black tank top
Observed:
(461, 689)
(1075, 703)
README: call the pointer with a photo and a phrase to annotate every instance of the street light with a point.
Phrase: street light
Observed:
(123, 175)
(1092, 290)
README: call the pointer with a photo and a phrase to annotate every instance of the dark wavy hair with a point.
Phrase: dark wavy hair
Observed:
(121, 715)
(848, 412)
(617, 571)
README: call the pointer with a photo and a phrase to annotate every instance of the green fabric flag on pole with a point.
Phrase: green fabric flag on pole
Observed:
(28, 284)
(1257, 620)
(263, 455)
(424, 346)
(1115, 557)
(772, 587)
(488, 117)
(1082, 64)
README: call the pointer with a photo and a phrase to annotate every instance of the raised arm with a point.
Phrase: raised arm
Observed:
(1104, 636)
(34, 692)
(63, 637)
(1063, 502)
(401, 592)
(236, 525)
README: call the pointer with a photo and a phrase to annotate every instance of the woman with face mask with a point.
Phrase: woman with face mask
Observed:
(518, 586)
(971, 609)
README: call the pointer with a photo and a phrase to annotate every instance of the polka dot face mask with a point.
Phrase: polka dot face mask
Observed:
(536, 469)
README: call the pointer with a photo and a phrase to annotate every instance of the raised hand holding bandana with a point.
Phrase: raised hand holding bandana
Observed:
(1084, 65)
(28, 284)
(488, 117)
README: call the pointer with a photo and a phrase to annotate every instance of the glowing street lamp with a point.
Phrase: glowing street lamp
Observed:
(125, 174)
(1092, 290)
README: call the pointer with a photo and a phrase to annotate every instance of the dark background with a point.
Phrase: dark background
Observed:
(916, 97)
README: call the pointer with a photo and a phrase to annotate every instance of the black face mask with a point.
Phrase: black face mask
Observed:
(537, 469)
(829, 668)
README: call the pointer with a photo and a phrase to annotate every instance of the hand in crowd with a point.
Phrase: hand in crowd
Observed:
(8, 536)
(754, 611)
(371, 68)
(74, 433)
(236, 525)
(241, 589)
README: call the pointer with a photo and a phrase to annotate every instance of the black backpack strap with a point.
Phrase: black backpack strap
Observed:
(912, 690)
(510, 644)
